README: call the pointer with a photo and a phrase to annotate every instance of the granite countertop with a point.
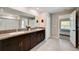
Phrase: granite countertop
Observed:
(13, 34)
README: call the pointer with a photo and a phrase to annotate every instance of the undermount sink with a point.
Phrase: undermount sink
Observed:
(16, 33)
(38, 29)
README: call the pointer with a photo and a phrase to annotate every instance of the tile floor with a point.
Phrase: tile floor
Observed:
(55, 45)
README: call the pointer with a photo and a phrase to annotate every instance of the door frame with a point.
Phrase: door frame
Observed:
(76, 29)
(62, 17)
(65, 16)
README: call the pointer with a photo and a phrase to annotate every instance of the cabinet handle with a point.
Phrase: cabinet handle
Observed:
(21, 43)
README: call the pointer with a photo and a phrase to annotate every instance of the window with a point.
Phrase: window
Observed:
(65, 25)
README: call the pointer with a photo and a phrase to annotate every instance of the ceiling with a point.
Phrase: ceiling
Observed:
(7, 10)
(38, 9)
(49, 9)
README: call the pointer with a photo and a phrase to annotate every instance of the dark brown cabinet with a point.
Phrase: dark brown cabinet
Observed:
(22, 42)
(42, 35)
(11, 44)
(37, 37)
(25, 43)
(33, 39)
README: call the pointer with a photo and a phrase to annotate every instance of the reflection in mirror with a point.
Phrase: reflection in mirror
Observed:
(13, 19)
(9, 24)
(27, 22)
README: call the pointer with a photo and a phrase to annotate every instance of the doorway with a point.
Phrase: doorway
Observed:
(65, 29)
(68, 28)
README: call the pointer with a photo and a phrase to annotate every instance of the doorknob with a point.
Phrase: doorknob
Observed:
(73, 30)
(20, 44)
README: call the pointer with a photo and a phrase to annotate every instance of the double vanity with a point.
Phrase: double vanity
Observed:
(21, 40)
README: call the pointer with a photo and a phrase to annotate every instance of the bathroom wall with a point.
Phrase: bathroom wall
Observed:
(46, 23)
(42, 18)
(47, 26)
(39, 18)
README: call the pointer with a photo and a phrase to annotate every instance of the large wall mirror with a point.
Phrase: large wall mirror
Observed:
(14, 19)
(8, 24)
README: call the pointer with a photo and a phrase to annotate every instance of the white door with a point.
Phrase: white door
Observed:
(73, 28)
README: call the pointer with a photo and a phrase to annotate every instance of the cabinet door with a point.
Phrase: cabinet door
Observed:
(0, 45)
(33, 39)
(38, 36)
(11, 44)
(26, 42)
(42, 35)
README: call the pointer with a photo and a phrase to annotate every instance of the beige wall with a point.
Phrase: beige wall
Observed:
(42, 17)
(54, 26)
(55, 23)
(46, 17)
(39, 18)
